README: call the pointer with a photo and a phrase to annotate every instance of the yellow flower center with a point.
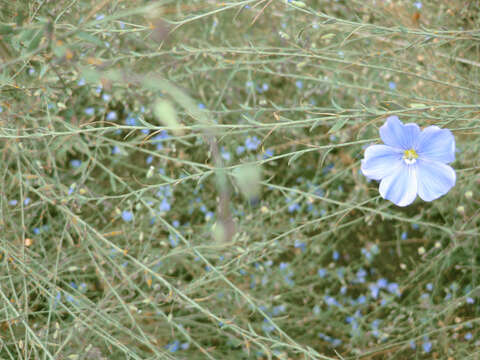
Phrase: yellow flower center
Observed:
(410, 156)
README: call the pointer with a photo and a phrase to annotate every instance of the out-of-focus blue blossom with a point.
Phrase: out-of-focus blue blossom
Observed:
(404, 235)
(127, 215)
(112, 115)
(13, 202)
(164, 205)
(201, 106)
(300, 245)
(392, 85)
(159, 139)
(418, 5)
(267, 326)
(173, 346)
(288, 279)
(335, 255)
(322, 272)
(368, 255)
(81, 82)
(327, 168)
(130, 121)
(362, 299)
(116, 150)
(331, 301)
(427, 345)
(240, 150)
(277, 310)
(89, 111)
(299, 84)
(149, 159)
(429, 286)
(293, 207)
(382, 283)
(470, 300)
(361, 274)
(252, 143)
(75, 163)
(468, 336)
(393, 288)
(374, 290)
(336, 342)
(106, 97)
(268, 153)
(173, 239)
(209, 215)
(225, 154)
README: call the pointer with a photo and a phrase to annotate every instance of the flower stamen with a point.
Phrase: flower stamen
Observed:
(410, 156)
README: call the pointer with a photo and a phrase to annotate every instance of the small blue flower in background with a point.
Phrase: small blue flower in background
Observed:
(164, 205)
(159, 138)
(268, 153)
(173, 346)
(131, 121)
(427, 345)
(112, 115)
(411, 162)
(240, 150)
(300, 245)
(252, 143)
(392, 85)
(335, 255)
(127, 215)
(90, 111)
(418, 5)
(225, 154)
(322, 272)
(116, 150)
(75, 163)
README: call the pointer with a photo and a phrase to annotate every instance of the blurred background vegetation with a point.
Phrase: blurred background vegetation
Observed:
(180, 180)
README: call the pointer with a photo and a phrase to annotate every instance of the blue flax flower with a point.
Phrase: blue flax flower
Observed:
(411, 162)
